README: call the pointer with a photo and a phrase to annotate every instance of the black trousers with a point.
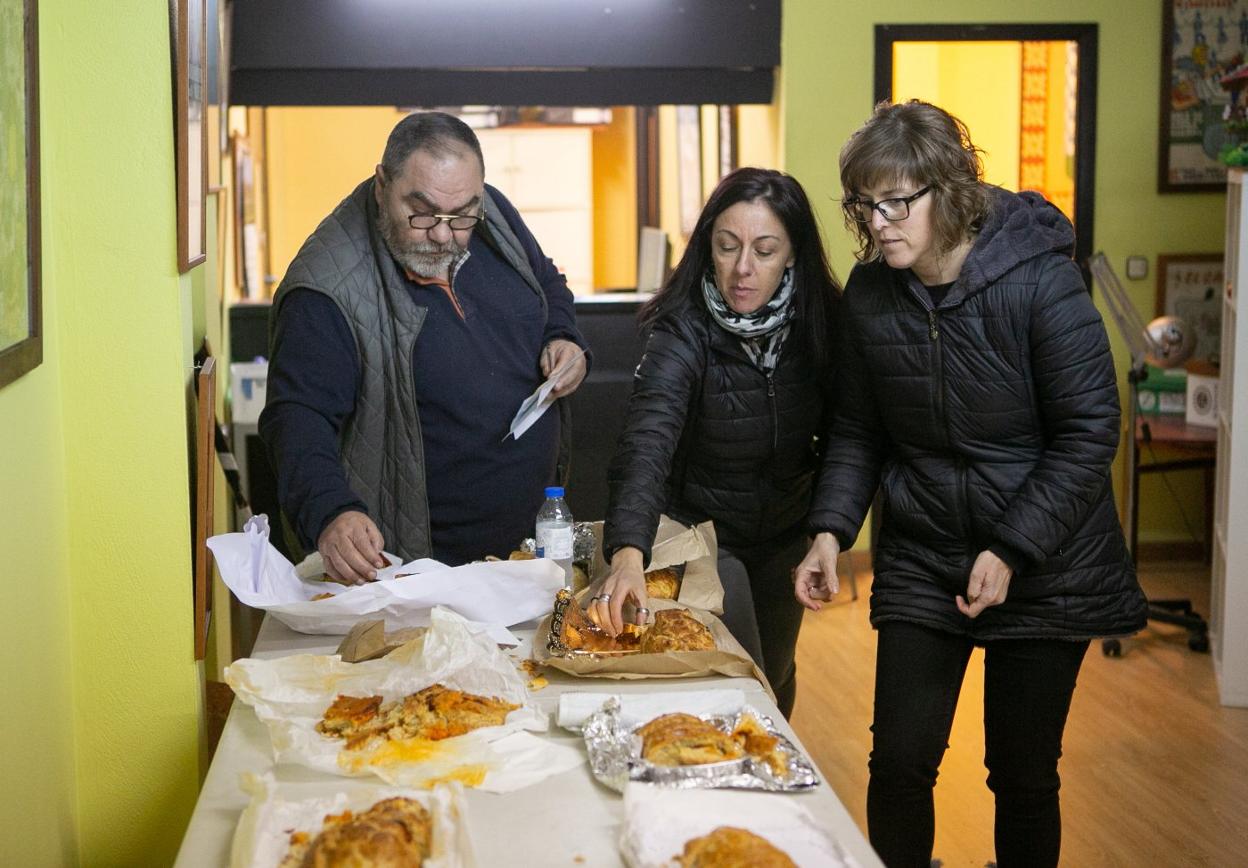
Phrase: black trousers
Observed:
(1028, 685)
(760, 610)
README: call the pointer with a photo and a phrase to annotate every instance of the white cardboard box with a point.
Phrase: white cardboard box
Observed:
(1202, 400)
(248, 385)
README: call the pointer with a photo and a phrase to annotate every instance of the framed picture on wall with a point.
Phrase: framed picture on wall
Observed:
(21, 329)
(1201, 40)
(1189, 286)
(191, 131)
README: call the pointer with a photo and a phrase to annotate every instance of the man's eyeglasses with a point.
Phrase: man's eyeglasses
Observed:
(455, 221)
(891, 209)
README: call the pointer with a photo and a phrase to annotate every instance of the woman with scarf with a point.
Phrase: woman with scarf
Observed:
(727, 405)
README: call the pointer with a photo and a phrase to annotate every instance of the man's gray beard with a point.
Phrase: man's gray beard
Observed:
(421, 258)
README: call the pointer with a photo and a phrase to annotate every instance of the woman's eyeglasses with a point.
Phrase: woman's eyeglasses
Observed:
(890, 209)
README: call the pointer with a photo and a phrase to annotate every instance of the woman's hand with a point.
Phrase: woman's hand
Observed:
(814, 580)
(988, 585)
(626, 580)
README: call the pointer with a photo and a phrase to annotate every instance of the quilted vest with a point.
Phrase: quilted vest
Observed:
(381, 447)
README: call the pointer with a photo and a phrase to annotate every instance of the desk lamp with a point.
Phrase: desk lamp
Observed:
(1166, 342)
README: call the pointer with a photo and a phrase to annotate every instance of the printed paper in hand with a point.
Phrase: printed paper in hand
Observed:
(532, 408)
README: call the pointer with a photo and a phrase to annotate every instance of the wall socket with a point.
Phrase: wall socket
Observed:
(1137, 267)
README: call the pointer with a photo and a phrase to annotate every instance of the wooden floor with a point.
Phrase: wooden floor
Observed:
(1154, 771)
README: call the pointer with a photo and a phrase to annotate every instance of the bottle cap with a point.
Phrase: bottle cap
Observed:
(554, 491)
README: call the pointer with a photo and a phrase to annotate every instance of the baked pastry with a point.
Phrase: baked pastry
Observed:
(435, 713)
(663, 584)
(676, 630)
(572, 630)
(760, 744)
(349, 715)
(391, 834)
(730, 847)
(324, 596)
(684, 740)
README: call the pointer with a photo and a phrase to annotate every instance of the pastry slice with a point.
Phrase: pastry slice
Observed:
(730, 847)
(392, 833)
(348, 716)
(684, 740)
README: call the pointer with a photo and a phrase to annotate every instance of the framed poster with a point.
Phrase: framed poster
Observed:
(21, 329)
(1201, 40)
(191, 131)
(1189, 286)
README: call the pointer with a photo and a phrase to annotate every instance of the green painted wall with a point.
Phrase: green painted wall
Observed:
(828, 51)
(104, 708)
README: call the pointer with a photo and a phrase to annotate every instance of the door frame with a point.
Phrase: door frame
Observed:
(1084, 35)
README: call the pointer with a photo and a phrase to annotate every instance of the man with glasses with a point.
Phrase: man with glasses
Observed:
(407, 331)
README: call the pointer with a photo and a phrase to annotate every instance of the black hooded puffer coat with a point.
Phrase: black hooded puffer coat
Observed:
(991, 420)
(708, 436)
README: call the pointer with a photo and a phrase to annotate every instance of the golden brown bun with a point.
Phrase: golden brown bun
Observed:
(521, 556)
(676, 630)
(730, 847)
(663, 584)
(391, 834)
(684, 740)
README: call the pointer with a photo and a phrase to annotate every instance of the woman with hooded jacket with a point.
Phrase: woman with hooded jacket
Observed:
(728, 400)
(976, 388)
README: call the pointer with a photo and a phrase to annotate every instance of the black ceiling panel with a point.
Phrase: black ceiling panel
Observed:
(504, 52)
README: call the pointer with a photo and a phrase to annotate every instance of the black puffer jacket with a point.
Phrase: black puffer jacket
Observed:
(991, 420)
(708, 436)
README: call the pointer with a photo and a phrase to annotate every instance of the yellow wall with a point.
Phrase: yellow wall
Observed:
(101, 712)
(950, 75)
(615, 201)
(828, 94)
(316, 157)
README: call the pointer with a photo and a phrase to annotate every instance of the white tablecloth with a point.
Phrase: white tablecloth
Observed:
(568, 819)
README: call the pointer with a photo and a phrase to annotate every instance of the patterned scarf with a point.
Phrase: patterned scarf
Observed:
(763, 331)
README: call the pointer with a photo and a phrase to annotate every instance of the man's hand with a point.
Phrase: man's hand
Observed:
(814, 580)
(569, 360)
(351, 546)
(988, 585)
(625, 582)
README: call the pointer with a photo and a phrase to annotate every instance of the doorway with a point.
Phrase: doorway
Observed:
(1027, 93)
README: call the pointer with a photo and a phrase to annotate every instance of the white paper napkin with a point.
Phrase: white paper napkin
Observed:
(290, 694)
(658, 822)
(498, 592)
(262, 837)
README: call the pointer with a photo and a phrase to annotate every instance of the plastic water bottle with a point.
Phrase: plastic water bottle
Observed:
(554, 532)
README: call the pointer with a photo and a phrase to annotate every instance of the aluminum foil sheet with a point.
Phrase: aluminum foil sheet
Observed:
(615, 758)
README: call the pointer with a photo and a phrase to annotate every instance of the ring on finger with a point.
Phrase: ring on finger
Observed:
(604, 598)
(643, 610)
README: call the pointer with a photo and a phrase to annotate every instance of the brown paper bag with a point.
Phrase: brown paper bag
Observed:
(728, 659)
(369, 640)
(676, 544)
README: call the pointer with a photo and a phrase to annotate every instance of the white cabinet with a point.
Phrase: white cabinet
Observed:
(548, 174)
(1228, 626)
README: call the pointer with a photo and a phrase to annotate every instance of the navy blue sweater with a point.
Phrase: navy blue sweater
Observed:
(471, 375)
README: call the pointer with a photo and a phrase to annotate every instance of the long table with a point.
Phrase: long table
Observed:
(568, 819)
